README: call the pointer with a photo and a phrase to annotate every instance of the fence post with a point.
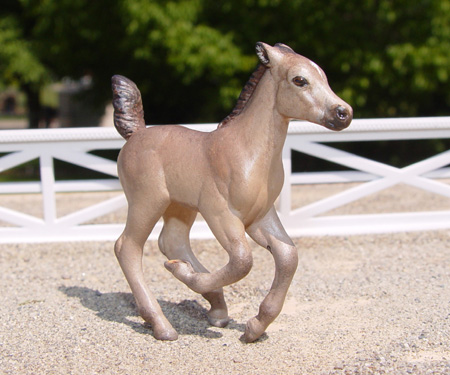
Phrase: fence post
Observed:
(48, 188)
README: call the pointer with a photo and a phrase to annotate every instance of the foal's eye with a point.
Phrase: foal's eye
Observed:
(300, 81)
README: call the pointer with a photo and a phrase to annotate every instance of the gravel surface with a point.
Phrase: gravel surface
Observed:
(373, 304)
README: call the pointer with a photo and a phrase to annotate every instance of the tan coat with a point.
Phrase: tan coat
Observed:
(232, 176)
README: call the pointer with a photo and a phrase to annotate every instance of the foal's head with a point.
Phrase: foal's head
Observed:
(303, 91)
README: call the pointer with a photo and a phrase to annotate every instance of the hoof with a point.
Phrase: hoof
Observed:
(217, 322)
(161, 327)
(165, 335)
(253, 330)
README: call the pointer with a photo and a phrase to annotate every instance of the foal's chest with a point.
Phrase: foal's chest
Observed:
(254, 195)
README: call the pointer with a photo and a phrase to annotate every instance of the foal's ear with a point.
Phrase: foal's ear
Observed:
(268, 55)
(284, 47)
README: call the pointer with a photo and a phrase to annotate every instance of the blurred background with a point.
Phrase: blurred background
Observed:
(190, 58)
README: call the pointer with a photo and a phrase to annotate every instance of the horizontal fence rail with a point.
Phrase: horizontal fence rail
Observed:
(74, 145)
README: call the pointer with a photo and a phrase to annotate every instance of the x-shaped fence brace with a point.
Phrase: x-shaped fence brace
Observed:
(389, 176)
(306, 220)
(50, 226)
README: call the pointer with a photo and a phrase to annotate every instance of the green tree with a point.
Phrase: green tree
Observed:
(387, 58)
(19, 58)
(190, 58)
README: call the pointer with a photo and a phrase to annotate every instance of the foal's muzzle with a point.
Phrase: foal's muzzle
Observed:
(341, 117)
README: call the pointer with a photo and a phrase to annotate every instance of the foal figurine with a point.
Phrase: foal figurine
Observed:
(231, 175)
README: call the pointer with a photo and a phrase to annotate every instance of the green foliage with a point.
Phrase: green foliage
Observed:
(387, 58)
(19, 62)
(195, 66)
(191, 57)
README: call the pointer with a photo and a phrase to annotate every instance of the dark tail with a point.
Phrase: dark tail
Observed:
(127, 103)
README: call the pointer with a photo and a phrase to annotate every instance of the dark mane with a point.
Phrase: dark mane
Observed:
(245, 95)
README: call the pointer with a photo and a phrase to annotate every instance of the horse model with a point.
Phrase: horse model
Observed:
(231, 175)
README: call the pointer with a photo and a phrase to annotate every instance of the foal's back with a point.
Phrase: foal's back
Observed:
(167, 161)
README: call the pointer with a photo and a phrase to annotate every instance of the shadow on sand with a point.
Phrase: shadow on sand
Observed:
(187, 317)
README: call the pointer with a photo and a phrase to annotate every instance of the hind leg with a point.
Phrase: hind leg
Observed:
(174, 244)
(142, 217)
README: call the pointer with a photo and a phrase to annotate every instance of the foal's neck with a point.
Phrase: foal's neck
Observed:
(260, 124)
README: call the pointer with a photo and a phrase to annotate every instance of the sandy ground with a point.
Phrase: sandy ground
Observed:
(373, 304)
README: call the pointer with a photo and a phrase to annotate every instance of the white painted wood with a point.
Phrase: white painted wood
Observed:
(80, 158)
(20, 219)
(16, 158)
(92, 212)
(48, 188)
(73, 146)
(68, 186)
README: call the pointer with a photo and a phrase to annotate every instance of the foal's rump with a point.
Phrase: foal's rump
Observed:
(158, 161)
(168, 159)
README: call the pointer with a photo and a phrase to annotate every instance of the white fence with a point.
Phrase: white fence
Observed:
(73, 146)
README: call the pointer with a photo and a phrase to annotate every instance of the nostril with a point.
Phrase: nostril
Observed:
(341, 113)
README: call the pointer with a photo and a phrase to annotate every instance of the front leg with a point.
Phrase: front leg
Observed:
(270, 234)
(230, 232)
